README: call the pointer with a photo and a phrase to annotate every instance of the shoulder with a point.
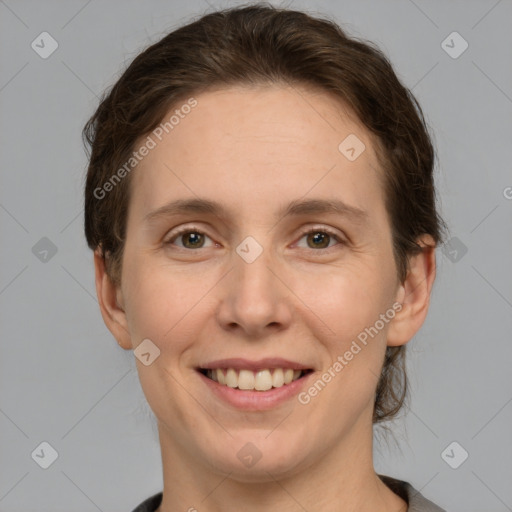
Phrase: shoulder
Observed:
(149, 505)
(415, 500)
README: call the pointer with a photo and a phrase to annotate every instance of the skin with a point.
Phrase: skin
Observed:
(255, 149)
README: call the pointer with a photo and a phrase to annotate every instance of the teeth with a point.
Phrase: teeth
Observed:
(231, 378)
(262, 380)
(277, 378)
(246, 379)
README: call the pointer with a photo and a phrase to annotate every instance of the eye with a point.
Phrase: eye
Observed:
(320, 238)
(190, 238)
(194, 238)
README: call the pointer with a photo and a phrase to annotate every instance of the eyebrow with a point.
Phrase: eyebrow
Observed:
(295, 208)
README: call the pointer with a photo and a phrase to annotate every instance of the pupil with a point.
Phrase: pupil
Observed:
(193, 238)
(317, 237)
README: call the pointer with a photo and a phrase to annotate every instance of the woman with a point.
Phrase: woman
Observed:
(261, 206)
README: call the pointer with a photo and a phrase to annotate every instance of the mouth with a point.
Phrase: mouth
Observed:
(263, 379)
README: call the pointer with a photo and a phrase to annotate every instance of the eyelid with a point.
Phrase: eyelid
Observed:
(324, 229)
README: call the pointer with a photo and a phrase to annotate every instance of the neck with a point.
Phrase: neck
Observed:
(342, 480)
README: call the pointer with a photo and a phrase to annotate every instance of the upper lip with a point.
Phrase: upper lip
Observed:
(239, 363)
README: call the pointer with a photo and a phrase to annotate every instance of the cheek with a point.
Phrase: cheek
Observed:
(356, 340)
(346, 298)
(165, 305)
(162, 302)
(350, 300)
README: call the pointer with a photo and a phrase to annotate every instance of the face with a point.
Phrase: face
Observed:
(255, 273)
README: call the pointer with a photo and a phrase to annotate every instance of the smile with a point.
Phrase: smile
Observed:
(249, 380)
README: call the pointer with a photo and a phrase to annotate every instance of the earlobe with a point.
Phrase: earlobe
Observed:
(111, 302)
(414, 295)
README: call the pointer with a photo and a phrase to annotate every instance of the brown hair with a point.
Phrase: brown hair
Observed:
(262, 44)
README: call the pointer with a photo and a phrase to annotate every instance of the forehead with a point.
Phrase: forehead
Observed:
(243, 143)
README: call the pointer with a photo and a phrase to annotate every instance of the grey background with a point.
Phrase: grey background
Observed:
(63, 378)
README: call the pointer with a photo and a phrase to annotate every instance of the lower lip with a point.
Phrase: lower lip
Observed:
(256, 400)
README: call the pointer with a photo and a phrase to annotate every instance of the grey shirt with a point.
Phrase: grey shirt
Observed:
(416, 502)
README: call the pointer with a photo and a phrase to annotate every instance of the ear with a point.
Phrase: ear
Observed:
(111, 303)
(414, 294)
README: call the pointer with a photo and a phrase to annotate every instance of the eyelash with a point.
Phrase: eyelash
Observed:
(192, 229)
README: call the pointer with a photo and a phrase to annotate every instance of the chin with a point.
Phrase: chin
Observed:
(258, 457)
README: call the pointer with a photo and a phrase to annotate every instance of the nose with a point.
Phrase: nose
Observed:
(254, 297)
